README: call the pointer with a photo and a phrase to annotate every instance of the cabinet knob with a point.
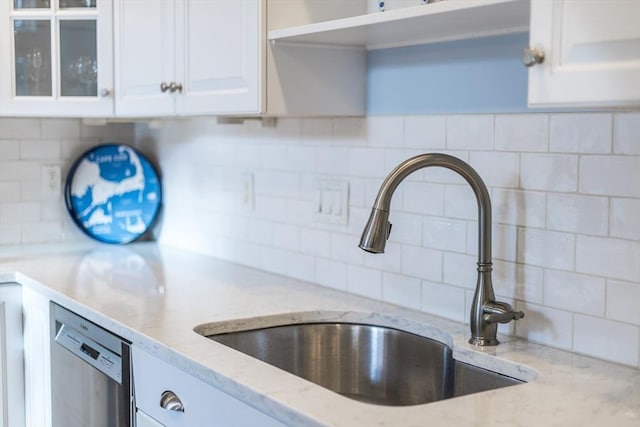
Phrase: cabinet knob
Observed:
(104, 93)
(532, 56)
(175, 87)
(164, 87)
(171, 402)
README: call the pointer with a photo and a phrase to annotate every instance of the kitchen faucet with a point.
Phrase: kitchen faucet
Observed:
(486, 313)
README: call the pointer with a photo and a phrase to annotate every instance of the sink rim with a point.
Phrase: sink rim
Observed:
(461, 350)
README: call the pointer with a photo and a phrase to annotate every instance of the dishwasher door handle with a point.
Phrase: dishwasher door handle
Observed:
(171, 402)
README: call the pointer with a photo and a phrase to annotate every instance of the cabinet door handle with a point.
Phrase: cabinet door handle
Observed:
(164, 87)
(104, 93)
(171, 402)
(175, 87)
(532, 56)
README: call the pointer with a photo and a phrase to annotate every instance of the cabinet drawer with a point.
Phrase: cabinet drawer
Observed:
(203, 404)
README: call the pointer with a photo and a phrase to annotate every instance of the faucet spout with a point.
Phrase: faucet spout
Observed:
(485, 311)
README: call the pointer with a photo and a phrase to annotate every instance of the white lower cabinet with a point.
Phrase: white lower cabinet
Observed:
(188, 401)
(37, 358)
(11, 357)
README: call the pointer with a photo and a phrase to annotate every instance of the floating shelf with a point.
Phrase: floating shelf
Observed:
(435, 22)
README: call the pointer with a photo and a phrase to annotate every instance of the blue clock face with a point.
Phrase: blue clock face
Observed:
(113, 193)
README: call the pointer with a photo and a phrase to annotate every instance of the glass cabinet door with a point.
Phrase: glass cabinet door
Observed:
(60, 50)
(32, 57)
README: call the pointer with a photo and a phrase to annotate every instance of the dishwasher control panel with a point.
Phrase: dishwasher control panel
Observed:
(91, 352)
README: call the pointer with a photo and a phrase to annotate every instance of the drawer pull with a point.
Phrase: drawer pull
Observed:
(171, 402)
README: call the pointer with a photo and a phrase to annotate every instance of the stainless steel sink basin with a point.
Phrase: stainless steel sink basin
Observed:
(371, 364)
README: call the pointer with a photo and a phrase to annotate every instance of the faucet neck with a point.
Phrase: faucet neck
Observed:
(404, 169)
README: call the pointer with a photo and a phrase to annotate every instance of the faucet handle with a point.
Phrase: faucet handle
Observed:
(500, 312)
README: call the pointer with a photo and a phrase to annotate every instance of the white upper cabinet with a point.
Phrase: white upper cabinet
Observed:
(591, 53)
(56, 58)
(188, 57)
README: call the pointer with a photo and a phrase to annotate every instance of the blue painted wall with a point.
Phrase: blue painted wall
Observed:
(483, 75)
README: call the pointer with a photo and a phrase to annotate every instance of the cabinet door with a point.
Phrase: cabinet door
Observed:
(37, 357)
(144, 57)
(592, 53)
(219, 56)
(57, 57)
(11, 357)
(202, 404)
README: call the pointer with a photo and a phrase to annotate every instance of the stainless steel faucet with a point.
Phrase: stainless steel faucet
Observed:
(486, 313)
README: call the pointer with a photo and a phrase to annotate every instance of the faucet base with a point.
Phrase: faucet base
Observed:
(483, 341)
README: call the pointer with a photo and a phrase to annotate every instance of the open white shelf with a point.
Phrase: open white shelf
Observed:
(435, 22)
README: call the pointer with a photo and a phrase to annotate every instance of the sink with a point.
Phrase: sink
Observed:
(372, 364)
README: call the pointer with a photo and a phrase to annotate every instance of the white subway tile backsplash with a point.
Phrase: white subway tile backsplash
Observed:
(496, 169)
(14, 128)
(333, 160)
(364, 281)
(286, 236)
(443, 300)
(626, 133)
(549, 172)
(625, 218)
(301, 266)
(344, 247)
(273, 208)
(9, 191)
(546, 248)
(427, 133)
(504, 239)
(367, 163)
(622, 301)
(15, 170)
(517, 281)
(60, 128)
(517, 207)
(42, 232)
(610, 175)
(606, 339)
(332, 274)
(422, 263)
(385, 131)
(315, 242)
(578, 293)
(614, 258)
(9, 149)
(522, 132)
(578, 214)
(460, 202)
(401, 290)
(470, 132)
(444, 234)
(581, 133)
(390, 261)
(423, 198)
(460, 270)
(20, 212)
(565, 229)
(10, 234)
(545, 325)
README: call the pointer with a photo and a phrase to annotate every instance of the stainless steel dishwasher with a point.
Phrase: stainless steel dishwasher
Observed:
(90, 374)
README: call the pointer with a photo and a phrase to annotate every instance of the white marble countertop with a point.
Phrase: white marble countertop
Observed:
(154, 296)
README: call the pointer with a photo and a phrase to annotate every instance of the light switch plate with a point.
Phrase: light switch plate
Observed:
(331, 201)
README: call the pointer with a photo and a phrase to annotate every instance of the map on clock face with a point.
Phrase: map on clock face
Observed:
(113, 193)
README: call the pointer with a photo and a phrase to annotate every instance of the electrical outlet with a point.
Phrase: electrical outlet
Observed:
(51, 181)
(248, 195)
